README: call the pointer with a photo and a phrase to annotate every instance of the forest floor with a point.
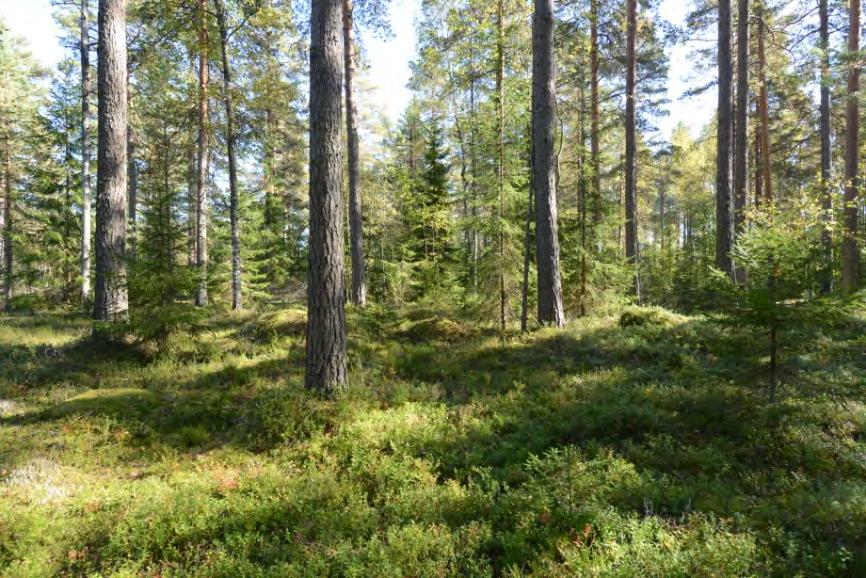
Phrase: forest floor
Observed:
(599, 450)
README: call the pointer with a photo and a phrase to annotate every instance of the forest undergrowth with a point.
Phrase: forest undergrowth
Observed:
(638, 444)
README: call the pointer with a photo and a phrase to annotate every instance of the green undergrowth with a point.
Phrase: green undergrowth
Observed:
(635, 445)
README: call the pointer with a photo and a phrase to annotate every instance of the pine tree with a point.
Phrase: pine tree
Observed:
(850, 247)
(550, 309)
(724, 159)
(326, 325)
(111, 300)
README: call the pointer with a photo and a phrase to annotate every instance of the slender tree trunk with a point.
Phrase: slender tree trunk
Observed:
(191, 179)
(274, 226)
(356, 221)
(850, 248)
(132, 169)
(582, 192)
(167, 250)
(619, 236)
(86, 211)
(759, 178)
(764, 111)
(595, 122)
(583, 181)
(826, 159)
(476, 240)
(4, 202)
(326, 325)
(465, 185)
(231, 140)
(500, 151)
(111, 303)
(527, 241)
(550, 309)
(272, 206)
(527, 259)
(631, 237)
(68, 251)
(724, 160)
(662, 217)
(8, 282)
(741, 140)
(201, 196)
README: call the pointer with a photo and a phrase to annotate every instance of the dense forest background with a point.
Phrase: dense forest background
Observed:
(441, 204)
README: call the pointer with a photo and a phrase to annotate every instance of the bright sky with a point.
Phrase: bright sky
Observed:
(33, 20)
(389, 60)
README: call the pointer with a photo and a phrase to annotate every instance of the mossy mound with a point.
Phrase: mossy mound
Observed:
(284, 323)
(650, 316)
(439, 329)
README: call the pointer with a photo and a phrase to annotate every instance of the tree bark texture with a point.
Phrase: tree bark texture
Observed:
(550, 309)
(741, 138)
(356, 221)
(724, 159)
(764, 112)
(231, 143)
(111, 303)
(326, 324)
(850, 247)
(826, 158)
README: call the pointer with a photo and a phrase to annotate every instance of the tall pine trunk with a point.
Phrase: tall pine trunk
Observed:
(356, 221)
(326, 324)
(4, 202)
(132, 167)
(201, 191)
(550, 309)
(724, 159)
(86, 210)
(527, 258)
(500, 153)
(741, 138)
(631, 238)
(272, 202)
(191, 179)
(111, 303)
(582, 193)
(764, 111)
(231, 143)
(850, 248)
(595, 122)
(759, 179)
(8, 281)
(826, 159)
